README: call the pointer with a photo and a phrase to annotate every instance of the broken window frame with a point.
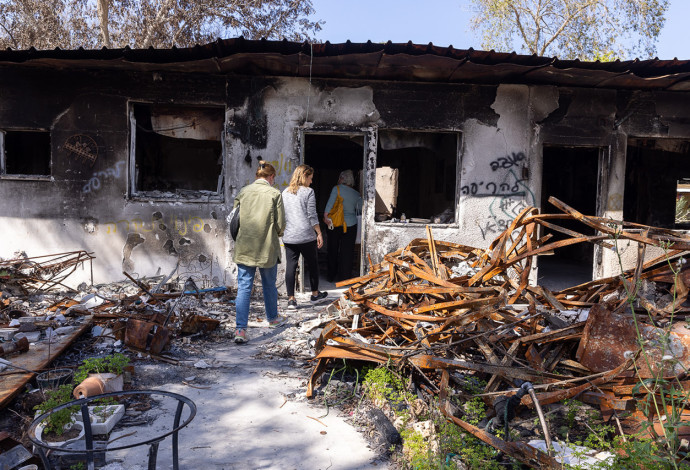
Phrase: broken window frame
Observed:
(145, 195)
(639, 144)
(458, 164)
(19, 176)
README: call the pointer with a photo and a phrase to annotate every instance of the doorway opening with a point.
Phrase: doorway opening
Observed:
(571, 175)
(330, 154)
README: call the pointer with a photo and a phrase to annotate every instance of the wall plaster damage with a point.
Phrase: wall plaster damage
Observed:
(141, 168)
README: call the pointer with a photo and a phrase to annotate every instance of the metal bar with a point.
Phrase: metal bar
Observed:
(88, 435)
(176, 423)
(153, 455)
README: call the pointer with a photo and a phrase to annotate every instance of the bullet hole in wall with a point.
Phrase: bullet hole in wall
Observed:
(168, 245)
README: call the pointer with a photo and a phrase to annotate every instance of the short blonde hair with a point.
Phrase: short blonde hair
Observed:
(265, 170)
(299, 177)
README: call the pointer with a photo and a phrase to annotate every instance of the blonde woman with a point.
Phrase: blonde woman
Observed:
(262, 222)
(302, 232)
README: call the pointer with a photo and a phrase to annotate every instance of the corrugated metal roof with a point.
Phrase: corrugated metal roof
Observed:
(374, 61)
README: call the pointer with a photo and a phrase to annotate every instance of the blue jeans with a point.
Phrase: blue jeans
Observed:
(245, 281)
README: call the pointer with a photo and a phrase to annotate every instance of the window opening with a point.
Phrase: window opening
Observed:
(178, 150)
(25, 153)
(657, 181)
(416, 176)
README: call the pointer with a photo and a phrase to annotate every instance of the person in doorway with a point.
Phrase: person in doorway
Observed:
(341, 239)
(262, 223)
(302, 233)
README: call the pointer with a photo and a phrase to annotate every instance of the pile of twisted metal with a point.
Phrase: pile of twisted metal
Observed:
(434, 308)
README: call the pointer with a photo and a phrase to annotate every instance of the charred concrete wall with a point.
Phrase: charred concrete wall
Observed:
(88, 203)
(85, 202)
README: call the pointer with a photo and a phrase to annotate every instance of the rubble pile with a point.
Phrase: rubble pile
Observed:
(40, 320)
(445, 313)
(25, 275)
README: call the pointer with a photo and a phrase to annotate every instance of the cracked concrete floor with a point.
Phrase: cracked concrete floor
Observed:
(252, 412)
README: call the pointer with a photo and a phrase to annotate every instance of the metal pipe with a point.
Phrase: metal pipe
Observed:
(540, 413)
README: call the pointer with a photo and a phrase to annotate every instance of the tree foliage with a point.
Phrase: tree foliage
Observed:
(570, 29)
(70, 24)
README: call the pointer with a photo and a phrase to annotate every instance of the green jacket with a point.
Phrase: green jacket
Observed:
(262, 223)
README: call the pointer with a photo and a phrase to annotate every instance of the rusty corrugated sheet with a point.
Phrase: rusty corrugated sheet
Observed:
(369, 61)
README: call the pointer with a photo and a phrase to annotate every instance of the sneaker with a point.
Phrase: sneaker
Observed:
(319, 296)
(241, 336)
(277, 321)
(292, 304)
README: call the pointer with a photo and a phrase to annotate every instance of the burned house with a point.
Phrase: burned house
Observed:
(137, 155)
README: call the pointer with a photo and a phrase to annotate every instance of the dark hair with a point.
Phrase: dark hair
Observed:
(265, 170)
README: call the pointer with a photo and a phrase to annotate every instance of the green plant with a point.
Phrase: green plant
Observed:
(77, 466)
(101, 409)
(58, 420)
(114, 363)
(682, 209)
(417, 450)
(571, 411)
(383, 385)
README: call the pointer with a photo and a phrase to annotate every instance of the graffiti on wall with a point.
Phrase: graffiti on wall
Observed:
(82, 148)
(181, 225)
(94, 184)
(508, 161)
(509, 194)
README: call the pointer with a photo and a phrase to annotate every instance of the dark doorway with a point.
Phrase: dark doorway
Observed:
(569, 174)
(329, 154)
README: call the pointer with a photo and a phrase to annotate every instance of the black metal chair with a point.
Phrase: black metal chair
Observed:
(89, 450)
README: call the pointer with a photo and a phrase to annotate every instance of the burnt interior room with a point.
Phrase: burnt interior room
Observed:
(656, 183)
(425, 166)
(178, 148)
(329, 154)
(27, 153)
(571, 175)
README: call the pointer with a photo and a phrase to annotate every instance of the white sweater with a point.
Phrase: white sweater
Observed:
(300, 216)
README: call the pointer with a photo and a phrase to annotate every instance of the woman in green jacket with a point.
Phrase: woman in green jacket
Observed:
(262, 223)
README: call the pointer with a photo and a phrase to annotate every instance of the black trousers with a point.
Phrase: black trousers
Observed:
(341, 250)
(310, 254)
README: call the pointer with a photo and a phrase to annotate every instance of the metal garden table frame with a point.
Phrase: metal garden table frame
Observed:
(88, 435)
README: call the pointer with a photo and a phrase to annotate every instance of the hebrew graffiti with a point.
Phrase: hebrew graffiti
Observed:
(508, 161)
(509, 194)
(94, 184)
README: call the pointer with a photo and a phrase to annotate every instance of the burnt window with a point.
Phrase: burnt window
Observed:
(177, 151)
(25, 153)
(416, 175)
(657, 183)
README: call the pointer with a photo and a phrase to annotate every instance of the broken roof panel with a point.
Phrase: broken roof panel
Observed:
(370, 61)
